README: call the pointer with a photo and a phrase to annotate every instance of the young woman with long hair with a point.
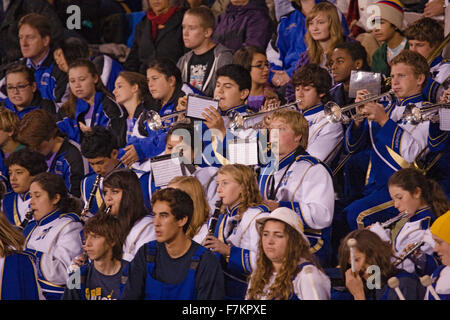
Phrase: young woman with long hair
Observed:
(53, 238)
(371, 251)
(18, 278)
(123, 194)
(284, 261)
(89, 104)
(420, 200)
(198, 227)
(236, 238)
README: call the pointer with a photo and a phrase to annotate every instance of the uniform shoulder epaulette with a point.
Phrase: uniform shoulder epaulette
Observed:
(71, 215)
(262, 207)
(313, 161)
(426, 103)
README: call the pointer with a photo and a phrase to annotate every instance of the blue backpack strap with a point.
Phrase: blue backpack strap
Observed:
(124, 277)
(150, 256)
(196, 258)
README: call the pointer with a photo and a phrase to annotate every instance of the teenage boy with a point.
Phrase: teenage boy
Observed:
(100, 148)
(38, 131)
(392, 144)
(22, 165)
(102, 277)
(173, 267)
(424, 36)
(312, 84)
(387, 30)
(199, 66)
(299, 181)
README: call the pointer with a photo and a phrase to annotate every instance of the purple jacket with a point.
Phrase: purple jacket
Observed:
(245, 25)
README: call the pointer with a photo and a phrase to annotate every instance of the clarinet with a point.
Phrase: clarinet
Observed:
(108, 209)
(88, 203)
(28, 218)
(215, 218)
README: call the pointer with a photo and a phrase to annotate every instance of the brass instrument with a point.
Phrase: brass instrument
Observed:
(335, 114)
(155, 121)
(403, 257)
(415, 115)
(28, 218)
(438, 49)
(256, 120)
(398, 217)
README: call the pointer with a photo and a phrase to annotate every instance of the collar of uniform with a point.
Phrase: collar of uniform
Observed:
(287, 160)
(436, 61)
(83, 106)
(49, 217)
(240, 108)
(32, 66)
(25, 196)
(313, 110)
(233, 210)
(411, 99)
(421, 213)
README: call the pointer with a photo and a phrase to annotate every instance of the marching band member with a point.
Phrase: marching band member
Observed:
(392, 145)
(198, 227)
(100, 148)
(299, 181)
(173, 267)
(101, 278)
(123, 194)
(166, 87)
(283, 262)
(235, 238)
(371, 251)
(23, 165)
(38, 131)
(422, 200)
(312, 84)
(18, 278)
(53, 238)
(441, 276)
(89, 104)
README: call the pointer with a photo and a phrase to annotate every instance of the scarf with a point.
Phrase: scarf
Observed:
(160, 19)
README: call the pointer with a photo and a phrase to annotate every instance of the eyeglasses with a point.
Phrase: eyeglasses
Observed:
(20, 87)
(261, 65)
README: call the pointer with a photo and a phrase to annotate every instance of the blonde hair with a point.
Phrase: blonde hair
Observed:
(9, 121)
(315, 51)
(195, 190)
(296, 121)
(246, 178)
(11, 239)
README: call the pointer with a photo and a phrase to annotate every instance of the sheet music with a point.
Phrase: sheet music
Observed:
(444, 119)
(197, 104)
(364, 80)
(243, 152)
(165, 169)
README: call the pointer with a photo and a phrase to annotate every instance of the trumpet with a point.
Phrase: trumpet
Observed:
(155, 121)
(334, 113)
(415, 115)
(256, 120)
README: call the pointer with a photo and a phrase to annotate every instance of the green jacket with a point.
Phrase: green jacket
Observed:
(379, 60)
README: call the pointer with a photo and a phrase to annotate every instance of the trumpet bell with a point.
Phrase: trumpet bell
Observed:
(237, 121)
(333, 112)
(154, 121)
(412, 114)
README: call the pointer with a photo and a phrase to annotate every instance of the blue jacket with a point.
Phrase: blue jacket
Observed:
(107, 113)
(108, 70)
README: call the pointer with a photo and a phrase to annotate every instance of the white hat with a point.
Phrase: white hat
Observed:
(285, 215)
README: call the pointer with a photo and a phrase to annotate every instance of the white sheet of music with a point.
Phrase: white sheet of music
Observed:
(243, 152)
(444, 119)
(196, 105)
(165, 170)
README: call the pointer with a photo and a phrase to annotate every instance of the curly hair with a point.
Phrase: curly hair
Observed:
(246, 178)
(281, 289)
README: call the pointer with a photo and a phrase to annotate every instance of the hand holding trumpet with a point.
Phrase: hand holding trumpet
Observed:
(372, 110)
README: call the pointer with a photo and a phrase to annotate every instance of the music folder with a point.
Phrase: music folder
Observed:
(196, 105)
(364, 80)
(444, 119)
(165, 168)
(242, 151)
